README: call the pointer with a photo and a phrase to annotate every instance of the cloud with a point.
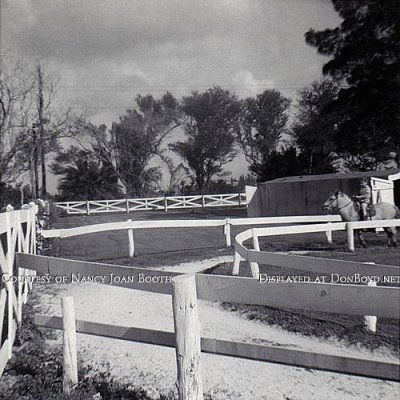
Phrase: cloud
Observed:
(246, 79)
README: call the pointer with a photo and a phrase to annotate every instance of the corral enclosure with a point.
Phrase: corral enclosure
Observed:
(166, 246)
(304, 195)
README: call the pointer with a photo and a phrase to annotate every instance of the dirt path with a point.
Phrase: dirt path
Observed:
(153, 367)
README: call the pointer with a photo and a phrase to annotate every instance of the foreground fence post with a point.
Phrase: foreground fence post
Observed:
(131, 241)
(70, 378)
(9, 284)
(350, 237)
(255, 269)
(227, 231)
(187, 331)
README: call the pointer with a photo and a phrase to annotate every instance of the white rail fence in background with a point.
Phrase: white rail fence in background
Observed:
(18, 234)
(226, 223)
(153, 203)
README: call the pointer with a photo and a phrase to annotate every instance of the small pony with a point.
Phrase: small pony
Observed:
(349, 211)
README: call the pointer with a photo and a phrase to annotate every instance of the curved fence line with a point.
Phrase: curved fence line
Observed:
(130, 225)
(256, 255)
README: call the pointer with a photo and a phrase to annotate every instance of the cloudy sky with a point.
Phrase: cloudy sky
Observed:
(107, 51)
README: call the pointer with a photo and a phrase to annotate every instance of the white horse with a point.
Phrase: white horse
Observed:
(349, 211)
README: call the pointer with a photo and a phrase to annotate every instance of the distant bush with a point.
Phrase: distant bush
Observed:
(9, 195)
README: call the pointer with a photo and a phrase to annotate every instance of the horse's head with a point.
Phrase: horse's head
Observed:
(333, 201)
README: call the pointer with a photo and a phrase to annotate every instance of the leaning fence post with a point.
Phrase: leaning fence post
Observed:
(227, 231)
(70, 378)
(255, 270)
(131, 241)
(188, 340)
(350, 236)
(236, 264)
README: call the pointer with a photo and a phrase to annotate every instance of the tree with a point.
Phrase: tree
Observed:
(314, 131)
(211, 119)
(16, 86)
(29, 128)
(263, 122)
(136, 139)
(85, 177)
(280, 163)
(365, 58)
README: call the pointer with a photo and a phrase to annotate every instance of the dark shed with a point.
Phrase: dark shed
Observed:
(304, 195)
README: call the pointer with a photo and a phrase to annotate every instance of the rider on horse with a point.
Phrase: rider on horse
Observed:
(364, 198)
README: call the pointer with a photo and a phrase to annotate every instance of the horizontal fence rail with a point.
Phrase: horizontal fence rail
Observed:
(336, 298)
(153, 203)
(226, 223)
(250, 351)
(316, 265)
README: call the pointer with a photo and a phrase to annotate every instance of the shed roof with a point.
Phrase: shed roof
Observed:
(347, 175)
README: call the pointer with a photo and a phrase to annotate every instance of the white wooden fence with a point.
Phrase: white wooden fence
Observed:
(307, 263)
(18, 233)
(153, 203)
(186, 289)
(226, 223)
(323, 297)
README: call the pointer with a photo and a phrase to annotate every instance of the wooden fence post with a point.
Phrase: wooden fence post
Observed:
(255, 270)
(131, 241)
(166, 204)
(236, 264)
(70, 378)
(187, 331)
(227, 231)
(87, 207)
(127, 206)
(329, 234)
(9, 285)
(350, 237)
(370, 320)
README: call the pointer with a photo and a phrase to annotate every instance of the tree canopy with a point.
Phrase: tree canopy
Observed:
(313, 131)
(84, 175)
(364, 56)
(210, 122)
(262, 125)
(133, 141)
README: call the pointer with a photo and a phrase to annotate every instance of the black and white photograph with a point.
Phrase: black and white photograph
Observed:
(199, 199)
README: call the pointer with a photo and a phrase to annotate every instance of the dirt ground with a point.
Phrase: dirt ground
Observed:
(153, 367)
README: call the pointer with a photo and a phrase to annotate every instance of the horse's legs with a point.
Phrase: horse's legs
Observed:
(361, 238)
(393, 232)
(389, 235)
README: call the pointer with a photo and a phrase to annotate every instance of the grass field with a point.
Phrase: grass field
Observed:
(161, 247)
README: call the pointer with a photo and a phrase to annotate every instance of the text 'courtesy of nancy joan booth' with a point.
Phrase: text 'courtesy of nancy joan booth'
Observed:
(80, 278)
